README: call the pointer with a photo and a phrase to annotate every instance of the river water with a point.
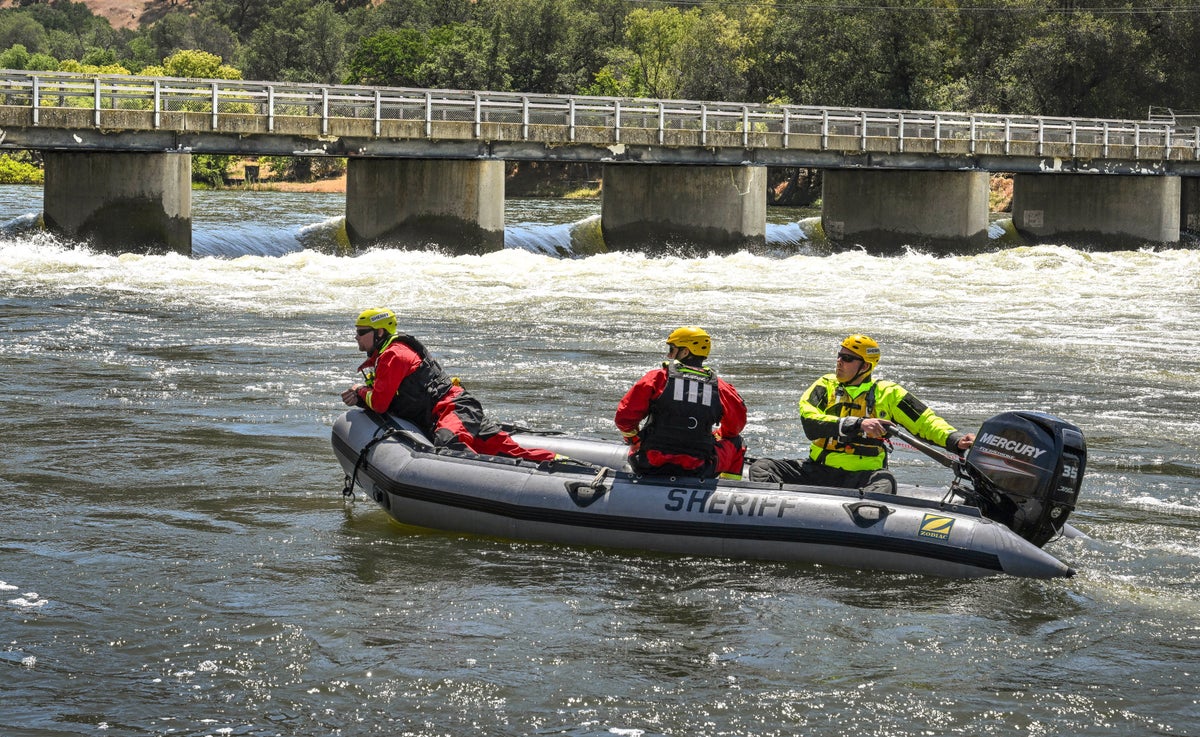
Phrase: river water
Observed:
(177, 558)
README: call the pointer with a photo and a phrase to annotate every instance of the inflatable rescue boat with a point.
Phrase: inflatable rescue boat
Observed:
(1011, 494)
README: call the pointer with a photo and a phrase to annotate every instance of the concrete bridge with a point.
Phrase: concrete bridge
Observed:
(428, 164)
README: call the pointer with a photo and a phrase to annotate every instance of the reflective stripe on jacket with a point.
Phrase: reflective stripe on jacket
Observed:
(682, 418)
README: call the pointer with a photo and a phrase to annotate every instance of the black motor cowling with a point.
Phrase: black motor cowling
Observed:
(1027, 468)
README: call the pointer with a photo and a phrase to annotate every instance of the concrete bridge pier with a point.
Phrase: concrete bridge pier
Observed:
(1095, 210)
(1189, 204)
(886, 211)
(455, 205)
(120, 202)
(686, 210)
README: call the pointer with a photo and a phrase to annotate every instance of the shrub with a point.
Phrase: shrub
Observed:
(13, 171)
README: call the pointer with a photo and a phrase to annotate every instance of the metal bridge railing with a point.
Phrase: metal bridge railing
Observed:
(176, 104)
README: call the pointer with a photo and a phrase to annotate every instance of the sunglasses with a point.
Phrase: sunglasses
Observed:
(365, 331)
(847, 357)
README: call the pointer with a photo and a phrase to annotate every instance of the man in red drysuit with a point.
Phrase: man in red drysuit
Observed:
(403, 379)
(693, 418)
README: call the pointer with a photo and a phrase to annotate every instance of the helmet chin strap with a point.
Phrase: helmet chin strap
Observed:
(863, 374)
(380, 340)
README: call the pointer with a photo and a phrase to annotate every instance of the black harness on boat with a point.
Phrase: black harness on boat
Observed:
(352, 479)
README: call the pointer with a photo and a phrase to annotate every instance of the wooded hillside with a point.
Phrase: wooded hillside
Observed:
(1105, 58)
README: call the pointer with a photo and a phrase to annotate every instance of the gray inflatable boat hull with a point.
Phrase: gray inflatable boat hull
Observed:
(600, 503)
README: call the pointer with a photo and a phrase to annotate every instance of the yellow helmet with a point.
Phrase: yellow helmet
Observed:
(863, 347)
(692, 338)
(377, 317)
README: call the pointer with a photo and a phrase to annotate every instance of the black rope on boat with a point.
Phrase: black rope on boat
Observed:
(601, 471)
(351, 480)
(597, 481)
(510, 427)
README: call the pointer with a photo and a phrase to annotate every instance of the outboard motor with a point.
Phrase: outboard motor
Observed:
(1027, 468)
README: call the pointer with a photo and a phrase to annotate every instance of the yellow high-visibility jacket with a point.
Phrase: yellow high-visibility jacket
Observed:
(832, 413)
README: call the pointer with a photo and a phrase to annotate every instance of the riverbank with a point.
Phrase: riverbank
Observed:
(331, 185)
(338, 185)
(788, 190)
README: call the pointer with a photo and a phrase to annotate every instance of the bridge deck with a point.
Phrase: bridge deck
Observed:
(53, 111)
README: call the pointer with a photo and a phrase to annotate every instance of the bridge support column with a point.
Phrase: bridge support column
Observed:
(684, 209)
(886, 211)
(1095, 210)
(1189, 204)
(454, 204)
(120, 202)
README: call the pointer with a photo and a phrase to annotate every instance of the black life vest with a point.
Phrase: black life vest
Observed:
(422, 389)
(682, 418)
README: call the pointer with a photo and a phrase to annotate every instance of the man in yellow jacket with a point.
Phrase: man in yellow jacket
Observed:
(846, 415)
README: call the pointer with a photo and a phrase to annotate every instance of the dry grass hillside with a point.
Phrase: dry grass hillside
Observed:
(125, 13)
(131, 13)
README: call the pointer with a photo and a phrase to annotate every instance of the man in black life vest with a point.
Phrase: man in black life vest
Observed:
(845, 415)
(693, 419)
(405, 380)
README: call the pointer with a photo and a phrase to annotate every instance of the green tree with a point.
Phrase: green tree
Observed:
(977, 44)
(64, 44)
(703, 53)
(16, 169)
(458, 56)
(304, 168)
(1077, 64)
(822, 55)
(617, 78)
(388, 58)
(142, 54)
(63, 15)
(1171, 66)
(323, 44)
(455, 56)
(209, 169)
(551, 46)
(649, 63)
(41, 63)
(74, 67)
(425, 14)
(292, 45)
(15, 57)
(193, 64)
(242, 17)
(21, 29)
(1104, 59)
(911, 52)
(656, 38)
(181, 31)
(717, 55)
(97, 57)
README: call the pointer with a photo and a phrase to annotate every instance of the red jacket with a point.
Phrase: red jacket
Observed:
(392, 366)
(437, 404)
(635, 406)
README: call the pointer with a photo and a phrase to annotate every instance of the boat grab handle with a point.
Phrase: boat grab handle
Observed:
(866, 514)
(583, 493)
